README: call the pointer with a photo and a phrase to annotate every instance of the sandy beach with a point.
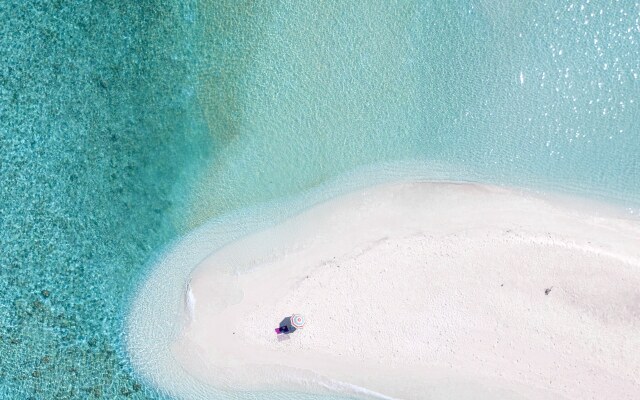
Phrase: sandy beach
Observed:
(423, 291)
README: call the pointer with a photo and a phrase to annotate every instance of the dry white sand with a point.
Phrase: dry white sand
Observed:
(419, 291)
(425, 290)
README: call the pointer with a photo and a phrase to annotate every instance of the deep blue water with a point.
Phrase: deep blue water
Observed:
(125, 124)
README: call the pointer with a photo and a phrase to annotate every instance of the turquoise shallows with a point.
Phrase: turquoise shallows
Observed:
(543, 96)
(124, 123)
(98, 125)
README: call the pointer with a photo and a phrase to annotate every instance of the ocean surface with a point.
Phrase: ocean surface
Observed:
(125, 125)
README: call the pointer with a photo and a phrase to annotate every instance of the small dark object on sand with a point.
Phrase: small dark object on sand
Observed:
(548, 290)
(285, 327)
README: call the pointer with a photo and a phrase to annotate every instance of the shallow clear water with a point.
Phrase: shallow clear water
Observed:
(122, 127)
(98, 126)
(544, 96)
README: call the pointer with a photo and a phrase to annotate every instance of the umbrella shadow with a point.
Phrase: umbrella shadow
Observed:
(286, 327)
(282, 338)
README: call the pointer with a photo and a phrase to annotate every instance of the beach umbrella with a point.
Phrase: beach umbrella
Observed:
(297, 321)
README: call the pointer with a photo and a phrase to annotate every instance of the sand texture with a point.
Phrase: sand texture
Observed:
(423, 291)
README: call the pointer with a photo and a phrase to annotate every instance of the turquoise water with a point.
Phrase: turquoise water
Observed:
(98, 127)
(124, 126)
(330, 86)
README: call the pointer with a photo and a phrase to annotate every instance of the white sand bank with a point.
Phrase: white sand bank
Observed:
(416, 291)
(424, 291)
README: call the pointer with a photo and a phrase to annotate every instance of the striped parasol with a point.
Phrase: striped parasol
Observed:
(297, 321)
